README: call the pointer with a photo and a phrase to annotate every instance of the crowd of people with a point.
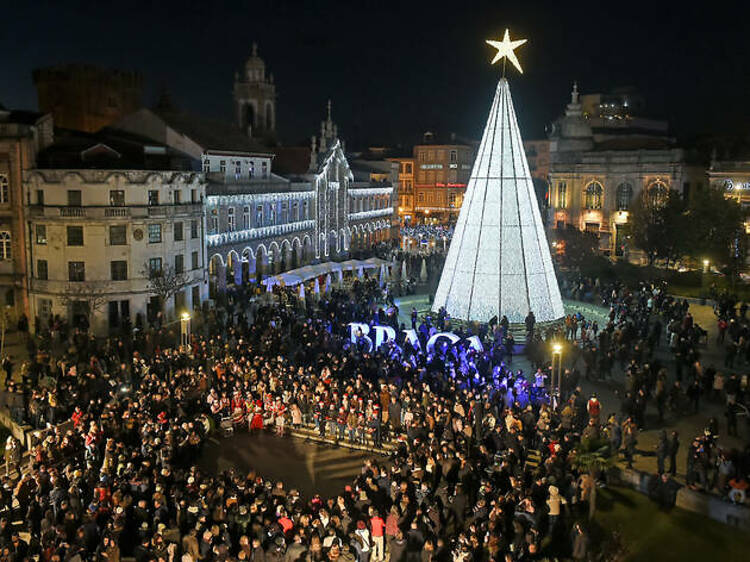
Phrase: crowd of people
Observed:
(484, 465)
(659, 348)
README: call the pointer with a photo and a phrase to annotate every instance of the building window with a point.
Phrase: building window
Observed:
(118, 235)
(207, 166)
(272, 213)
(177, 197)
(223, 166)
(179, 263)
(304, 211)
(75, 236)
(264, 168)
(230, 219)
(178, 237)
(40, 197)
(5, 249)
(194, 260)
(214, 225)
(251, 169)
(76, 271)
(259, 215)
(193, 195)
(116, 197)
(154, 267)
(119, 270)
(295, 212)
(658, 191)
(153, 197)
(408, 168)
(454, 156)
(562, 195)
(41, 270)
(624, 195)
(593, 195)
(154, 233)
(41, 234)
(74, 198)
(284, 211)
(196, 297)
(193, 229)
(237, 169)
(420, 197)
(245, 218)
(4, 190)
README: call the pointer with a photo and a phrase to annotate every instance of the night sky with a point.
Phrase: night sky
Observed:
(396, 69)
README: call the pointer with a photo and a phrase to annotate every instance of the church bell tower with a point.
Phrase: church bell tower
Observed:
(255, 100)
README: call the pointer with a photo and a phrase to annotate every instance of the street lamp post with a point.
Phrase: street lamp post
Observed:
(185, 330)
(555, 378)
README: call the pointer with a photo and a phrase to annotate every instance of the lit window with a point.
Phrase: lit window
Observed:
(5, 248)
(562, 195)
(4, 190)
(154, 233)
(658, 192)
(230, 219)
(41, 234)
(593, 195)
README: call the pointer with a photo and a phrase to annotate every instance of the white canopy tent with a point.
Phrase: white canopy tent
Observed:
(302, 274)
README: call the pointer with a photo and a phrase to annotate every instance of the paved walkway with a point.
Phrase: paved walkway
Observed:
(308, 467)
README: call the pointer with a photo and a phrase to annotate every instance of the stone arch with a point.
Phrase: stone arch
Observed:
(333, 244)
(216, 275)
(248, 264)
(286, 255)
(234, 268)
(274, 258)
(261, 261)
(308, 251)
(296, 253)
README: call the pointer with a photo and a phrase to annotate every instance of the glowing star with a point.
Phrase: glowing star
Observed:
(505, 50)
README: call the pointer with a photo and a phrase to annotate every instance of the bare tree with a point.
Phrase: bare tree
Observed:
(165, 282)
(94, 294)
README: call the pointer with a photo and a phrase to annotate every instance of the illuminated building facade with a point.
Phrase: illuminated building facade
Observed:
(441, 172)
(599, 164)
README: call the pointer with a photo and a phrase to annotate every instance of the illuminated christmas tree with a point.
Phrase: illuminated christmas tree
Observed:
(499, 261)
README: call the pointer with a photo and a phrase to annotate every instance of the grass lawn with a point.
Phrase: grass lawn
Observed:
(650, 533)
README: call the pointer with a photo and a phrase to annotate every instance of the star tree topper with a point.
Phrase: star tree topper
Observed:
(505, 50)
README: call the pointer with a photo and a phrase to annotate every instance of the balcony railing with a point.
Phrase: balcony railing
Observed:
(106, 212)
(72, 212)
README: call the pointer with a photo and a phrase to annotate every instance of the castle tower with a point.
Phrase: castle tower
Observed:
(86, 97)
(499, 261)
(255, 99)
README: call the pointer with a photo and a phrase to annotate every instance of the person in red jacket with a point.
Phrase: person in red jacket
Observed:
(377, 530)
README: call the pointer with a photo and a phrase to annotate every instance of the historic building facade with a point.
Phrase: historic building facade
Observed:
(596, 174)
(733, 178)
(319, 214)
(22, 135)
(114, 247)
(85, 97)
(440, 177)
